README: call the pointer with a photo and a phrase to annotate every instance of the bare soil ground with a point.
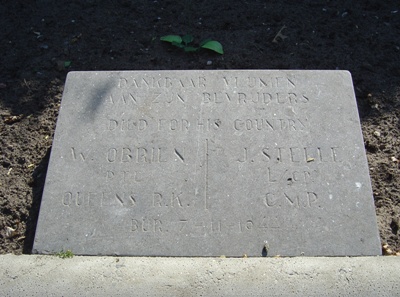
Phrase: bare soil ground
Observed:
(42, 40)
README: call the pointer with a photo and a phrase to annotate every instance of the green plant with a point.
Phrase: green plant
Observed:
(186, 43)
(65, 255)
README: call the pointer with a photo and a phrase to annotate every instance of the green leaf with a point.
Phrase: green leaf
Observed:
(204, 42)
(187, 39)
(214, 46)
(190, 49)
(67, 64)
(178, 44)
(171, 38)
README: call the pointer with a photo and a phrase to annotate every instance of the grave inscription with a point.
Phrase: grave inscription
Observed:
(208, 163)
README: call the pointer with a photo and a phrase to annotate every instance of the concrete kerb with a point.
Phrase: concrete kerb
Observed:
(38, 275)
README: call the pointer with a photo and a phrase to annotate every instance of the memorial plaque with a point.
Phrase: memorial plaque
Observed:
(208, 163)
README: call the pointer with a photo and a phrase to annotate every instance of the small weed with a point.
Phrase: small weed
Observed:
(186, 43)
(65, 255)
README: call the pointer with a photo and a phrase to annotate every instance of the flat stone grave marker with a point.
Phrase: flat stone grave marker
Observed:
(208, 163)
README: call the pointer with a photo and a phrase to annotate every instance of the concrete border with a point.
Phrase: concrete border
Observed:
(38, 275)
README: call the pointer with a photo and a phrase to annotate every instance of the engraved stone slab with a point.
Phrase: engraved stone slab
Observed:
(208, 163)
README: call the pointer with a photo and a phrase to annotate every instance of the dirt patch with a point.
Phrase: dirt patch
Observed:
(43, 40)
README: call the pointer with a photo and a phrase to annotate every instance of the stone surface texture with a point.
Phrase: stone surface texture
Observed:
(208, 163)
(142, 276)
